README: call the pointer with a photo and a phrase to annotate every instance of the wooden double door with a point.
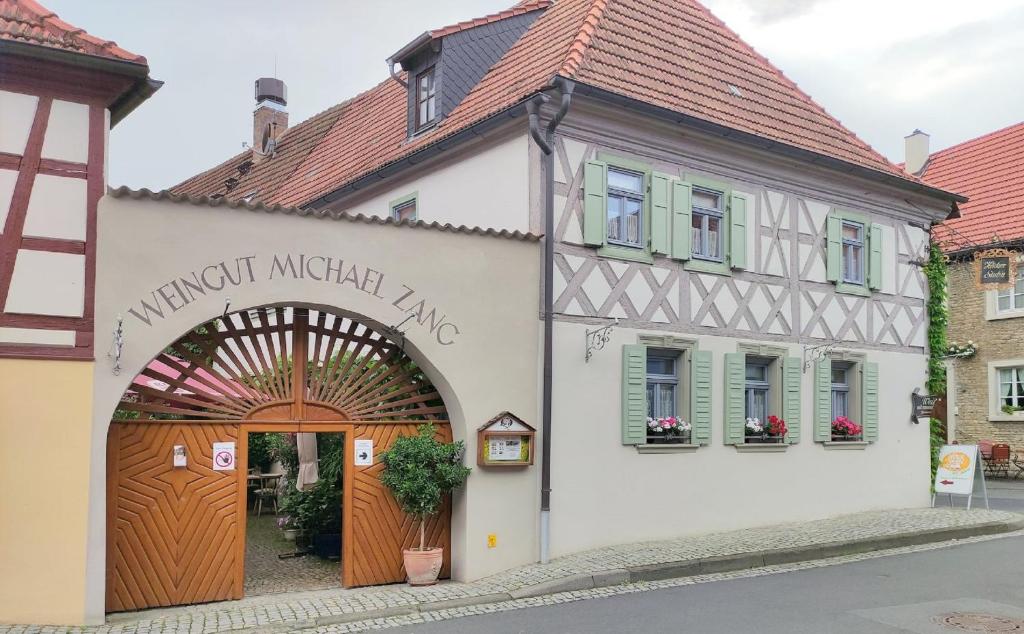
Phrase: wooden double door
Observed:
(176, 534)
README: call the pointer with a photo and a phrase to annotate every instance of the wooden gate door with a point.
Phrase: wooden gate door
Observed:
(375, 529)
(176, 536)
(171, 531)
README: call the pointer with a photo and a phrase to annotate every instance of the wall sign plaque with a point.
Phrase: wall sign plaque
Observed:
(505, 441)
(923, 405)
(995, 269)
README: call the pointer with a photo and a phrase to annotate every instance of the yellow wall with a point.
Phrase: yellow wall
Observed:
(45, 438)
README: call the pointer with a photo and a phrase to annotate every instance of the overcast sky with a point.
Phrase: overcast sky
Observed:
(882, 67)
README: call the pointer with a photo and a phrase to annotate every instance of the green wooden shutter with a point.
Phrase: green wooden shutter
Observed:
(700, 393)
(634, 394)
(875, 257)
(735, 406)
(834, 249)
(681, 219)
(737, 231)
(659, 214)
(595, 202)
(792, 374)
(870, 386)
(823, 400)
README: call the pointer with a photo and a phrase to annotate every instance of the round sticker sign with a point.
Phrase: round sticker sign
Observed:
(956, 462)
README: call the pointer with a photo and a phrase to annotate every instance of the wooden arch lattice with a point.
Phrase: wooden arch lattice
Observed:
(244, 366)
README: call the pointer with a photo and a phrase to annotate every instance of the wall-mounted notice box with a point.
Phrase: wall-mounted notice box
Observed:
(505, 441)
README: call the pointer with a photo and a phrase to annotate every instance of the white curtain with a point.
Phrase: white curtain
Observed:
(308, 474)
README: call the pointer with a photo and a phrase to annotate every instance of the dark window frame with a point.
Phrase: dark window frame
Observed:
(419, 101)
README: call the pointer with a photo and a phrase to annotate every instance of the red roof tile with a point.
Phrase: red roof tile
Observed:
(29, 22)
(989, 170)
(669, 53)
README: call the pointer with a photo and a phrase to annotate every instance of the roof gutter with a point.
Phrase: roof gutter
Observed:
(141, 89)
(769, 145)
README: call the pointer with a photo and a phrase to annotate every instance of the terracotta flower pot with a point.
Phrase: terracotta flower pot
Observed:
(423, 566)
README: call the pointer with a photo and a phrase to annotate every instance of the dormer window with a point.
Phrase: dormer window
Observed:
(426, 109)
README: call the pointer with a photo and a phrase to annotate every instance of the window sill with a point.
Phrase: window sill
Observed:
(1006, 314)
(667, 448)
(853, 289)
(833, 445)
(762, 448)
(631, 254)
(707, 266)
(1006, 418)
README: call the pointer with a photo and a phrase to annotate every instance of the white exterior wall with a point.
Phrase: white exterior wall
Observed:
(608, 493)
(492, 367)
(487, 186)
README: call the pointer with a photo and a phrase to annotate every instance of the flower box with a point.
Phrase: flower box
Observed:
(669, 439)
(763, 439)
(845, 430)
(847, 438)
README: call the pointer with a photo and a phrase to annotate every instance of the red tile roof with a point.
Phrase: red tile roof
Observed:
(519, 9)
(29, 22)
(989, 170)
(669, 53)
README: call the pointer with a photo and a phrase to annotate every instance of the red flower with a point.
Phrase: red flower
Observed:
(776, 426)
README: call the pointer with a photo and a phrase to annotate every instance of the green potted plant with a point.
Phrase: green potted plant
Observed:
(420, 471)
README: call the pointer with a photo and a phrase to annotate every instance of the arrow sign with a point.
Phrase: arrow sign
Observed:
(946, 482)
(364, 452)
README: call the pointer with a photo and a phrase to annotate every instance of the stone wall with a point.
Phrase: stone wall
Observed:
(996, 340)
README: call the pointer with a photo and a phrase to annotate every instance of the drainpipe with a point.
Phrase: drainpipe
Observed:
(545, 141)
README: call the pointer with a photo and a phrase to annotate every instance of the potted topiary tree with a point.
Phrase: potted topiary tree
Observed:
(419, 471)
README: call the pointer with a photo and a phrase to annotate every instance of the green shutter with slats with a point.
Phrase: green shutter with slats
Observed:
(660, 237)
(792, 374)
(735, 406)
(595, 202)
(871, 414)
(682, 211)
(834, 248)
(823, 400)
(875, 257)
(737, 231)
(700, 393)
(634, 394)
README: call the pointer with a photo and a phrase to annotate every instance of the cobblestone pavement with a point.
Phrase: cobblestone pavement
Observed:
(265, 573)
(338, 610)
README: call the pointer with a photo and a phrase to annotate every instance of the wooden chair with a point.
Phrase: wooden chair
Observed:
(999, 463)
(265, 494)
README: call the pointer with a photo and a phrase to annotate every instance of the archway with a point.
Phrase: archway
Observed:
(176, 534)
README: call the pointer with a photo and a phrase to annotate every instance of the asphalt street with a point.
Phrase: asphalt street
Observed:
(901, 593)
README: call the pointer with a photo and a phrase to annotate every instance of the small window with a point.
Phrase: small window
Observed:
(840, 391)
(1012, 298)
(662, 384)
(405, 211)
(1011, 389)
(625, 208)
(853, 252)
(758, 389)
(426, 110)
(708, 217)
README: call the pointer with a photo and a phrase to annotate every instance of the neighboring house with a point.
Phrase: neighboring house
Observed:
(985, 391)
(721, 250)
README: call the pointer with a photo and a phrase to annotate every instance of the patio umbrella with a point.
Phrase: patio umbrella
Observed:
(305, 442)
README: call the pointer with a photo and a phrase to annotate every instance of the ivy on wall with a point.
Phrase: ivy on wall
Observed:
(938, 321)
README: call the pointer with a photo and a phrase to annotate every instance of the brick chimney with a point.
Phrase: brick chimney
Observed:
(915, 157)
(270, 119)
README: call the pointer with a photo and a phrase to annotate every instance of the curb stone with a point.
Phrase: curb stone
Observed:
(690, 568)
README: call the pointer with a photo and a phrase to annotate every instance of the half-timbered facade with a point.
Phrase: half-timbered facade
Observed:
(723, 256)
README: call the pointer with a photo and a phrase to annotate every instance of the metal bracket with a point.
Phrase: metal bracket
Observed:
(596, 339)
(117, 345)
(814, 353)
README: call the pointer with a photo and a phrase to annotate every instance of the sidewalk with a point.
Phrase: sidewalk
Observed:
(648, 561)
